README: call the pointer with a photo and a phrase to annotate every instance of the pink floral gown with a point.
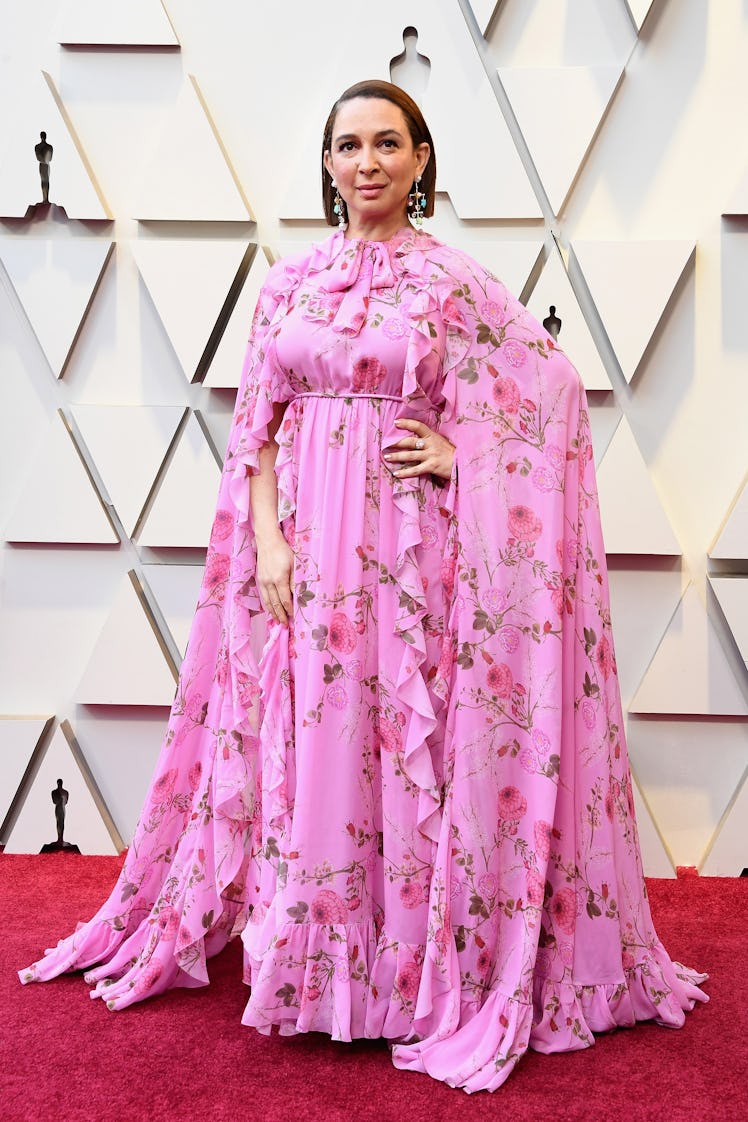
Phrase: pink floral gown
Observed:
(414, 804)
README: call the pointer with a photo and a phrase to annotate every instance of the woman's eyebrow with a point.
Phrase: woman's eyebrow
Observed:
(377, 135)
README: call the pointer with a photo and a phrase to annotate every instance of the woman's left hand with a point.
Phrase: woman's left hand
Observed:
(421, 452)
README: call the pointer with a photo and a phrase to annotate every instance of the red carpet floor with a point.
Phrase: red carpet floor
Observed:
(185, 1056)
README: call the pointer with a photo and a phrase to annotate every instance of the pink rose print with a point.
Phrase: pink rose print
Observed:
(390, 735)
(322, 306)
(216, 573)
(543, 479)
(328, 907)
(223, 525)
(512, 803)
(311, 993)
(451, 312)
(342, 634)
(514, 353)
(557, 599)
(184, 938)
(535, 889)
(442, 939)
(448, 574)
(555, 456)
(589, 713)
(540, 742)
(149, 977)
(494, 600)
(604, 656)
(368, 374)
(563, 909)
(524, 524)
(429, 536)
(483, 962)
(194, 774)
(354, 670)
(354, 903)
(610, 806)
(491, 312)
(407, 980)
(509, 638)
(193, 707)
(247, 689)
(627, 960)
(393, 328)
(447, 658)
(337, 697)
(487, 884)
(506, 394)
(163, 787)
(528, 760)
(168, 922)
(500, 679)
(542, 833)
(411, 894)
(566, 953)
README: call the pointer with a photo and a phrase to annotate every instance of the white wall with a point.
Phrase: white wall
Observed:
(515, 96)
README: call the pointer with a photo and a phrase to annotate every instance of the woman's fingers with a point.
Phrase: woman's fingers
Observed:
(275, 579)
(421, 452)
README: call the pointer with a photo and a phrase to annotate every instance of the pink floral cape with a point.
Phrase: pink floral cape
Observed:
(514, 913)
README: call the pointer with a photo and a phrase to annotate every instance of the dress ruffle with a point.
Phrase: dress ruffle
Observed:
(480, 1054)
(347, 980)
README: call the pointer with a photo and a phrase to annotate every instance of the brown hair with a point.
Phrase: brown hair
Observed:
(417, 127)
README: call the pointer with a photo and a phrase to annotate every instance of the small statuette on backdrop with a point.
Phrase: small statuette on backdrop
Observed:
(552, 323)
(43, 152)
(60, 799)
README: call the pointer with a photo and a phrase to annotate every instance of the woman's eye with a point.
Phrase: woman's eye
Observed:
(346, 146)
(390, 143)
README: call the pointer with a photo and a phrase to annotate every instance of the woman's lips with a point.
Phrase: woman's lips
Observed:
(370, 190)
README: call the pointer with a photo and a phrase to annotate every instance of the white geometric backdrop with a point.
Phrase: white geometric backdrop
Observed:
(593, 153)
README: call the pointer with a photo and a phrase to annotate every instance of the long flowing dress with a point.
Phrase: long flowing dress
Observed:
(414, 804)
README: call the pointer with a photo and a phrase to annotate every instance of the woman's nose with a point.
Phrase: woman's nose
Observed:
(368, 159)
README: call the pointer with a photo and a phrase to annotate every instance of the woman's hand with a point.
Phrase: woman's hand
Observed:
(421, 452)
(275, 576)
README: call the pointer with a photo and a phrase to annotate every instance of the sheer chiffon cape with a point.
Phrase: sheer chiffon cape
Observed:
(539, 930)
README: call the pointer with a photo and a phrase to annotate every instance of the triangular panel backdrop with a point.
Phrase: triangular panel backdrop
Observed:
(561, 166)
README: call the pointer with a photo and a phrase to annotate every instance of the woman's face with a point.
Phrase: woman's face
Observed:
(374, 163)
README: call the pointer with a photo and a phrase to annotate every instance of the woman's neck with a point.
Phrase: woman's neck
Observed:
(376, 231)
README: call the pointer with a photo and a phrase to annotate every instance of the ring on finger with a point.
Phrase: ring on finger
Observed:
(420, 444)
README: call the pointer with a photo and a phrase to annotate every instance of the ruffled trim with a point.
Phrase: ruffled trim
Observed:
(346, 980)
(482, 1052)
(147, 946)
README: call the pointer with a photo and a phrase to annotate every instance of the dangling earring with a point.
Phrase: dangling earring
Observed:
(417, 203)
(338, 207)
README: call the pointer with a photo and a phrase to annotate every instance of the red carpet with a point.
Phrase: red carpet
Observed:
(185, 1056)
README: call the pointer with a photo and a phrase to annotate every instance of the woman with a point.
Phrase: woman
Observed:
(416, 805)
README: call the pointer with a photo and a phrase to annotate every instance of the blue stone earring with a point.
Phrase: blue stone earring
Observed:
(338, 207)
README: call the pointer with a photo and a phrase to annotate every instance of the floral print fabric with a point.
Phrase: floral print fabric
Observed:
(415, 803)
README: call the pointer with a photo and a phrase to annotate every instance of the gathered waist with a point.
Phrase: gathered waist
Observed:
(344, 394)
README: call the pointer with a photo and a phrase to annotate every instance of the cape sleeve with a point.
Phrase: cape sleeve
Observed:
(538, 836)
(188, 877)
